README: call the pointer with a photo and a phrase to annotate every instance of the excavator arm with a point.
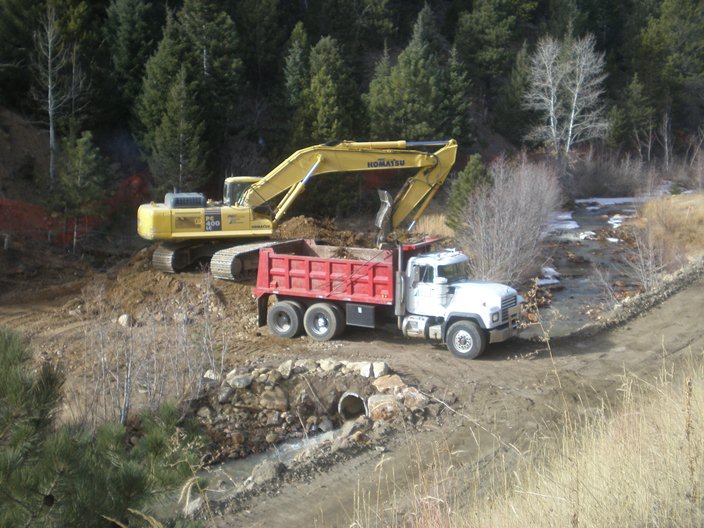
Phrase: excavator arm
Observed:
(292, 175)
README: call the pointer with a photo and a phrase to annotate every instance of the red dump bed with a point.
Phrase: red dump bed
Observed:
(306, 269)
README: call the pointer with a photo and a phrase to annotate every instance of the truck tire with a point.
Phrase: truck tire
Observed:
(323, 321)
(466, 340)
(285, 318)
(340, 320)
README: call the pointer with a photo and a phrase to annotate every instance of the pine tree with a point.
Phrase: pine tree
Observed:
(403, 99)
(259, 26)
(483, 39)
(671, 60)
(380, 99)
(458, 101)
(17, 25)
(330, 99)
(130, 41)
(56, 476)
(158, 78)
(296, 66)
(177, 161)
(83, 176)
(510, 116)
(208, 48)
(474, 175)
(28, 403)
(83, 180)
(200, 40)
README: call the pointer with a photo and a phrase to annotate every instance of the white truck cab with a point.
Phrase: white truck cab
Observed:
(439, 302)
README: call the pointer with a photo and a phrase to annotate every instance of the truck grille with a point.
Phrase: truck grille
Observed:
(506, 303)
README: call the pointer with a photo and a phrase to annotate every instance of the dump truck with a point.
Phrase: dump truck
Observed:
(230, 233)
(320, 289)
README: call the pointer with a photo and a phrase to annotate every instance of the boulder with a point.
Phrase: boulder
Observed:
(237, 438)
(380, 368)
(225, 393)
(285, 369)
(383, 407)
(210, 374)
(267, 471)
(274, 399)
(304, 365)
(237, 380)
(365, 369)
(204, 413)
(413, 399)
(328, 365)
(389, 383)
(125, 320)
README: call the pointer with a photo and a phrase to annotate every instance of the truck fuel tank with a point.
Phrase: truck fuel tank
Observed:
(416, 326)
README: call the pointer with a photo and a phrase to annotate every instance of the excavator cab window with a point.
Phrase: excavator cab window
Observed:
(234, 191)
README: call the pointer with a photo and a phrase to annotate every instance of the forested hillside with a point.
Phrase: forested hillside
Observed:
(200, 89)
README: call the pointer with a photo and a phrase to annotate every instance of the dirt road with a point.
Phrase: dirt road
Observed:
(497, 404)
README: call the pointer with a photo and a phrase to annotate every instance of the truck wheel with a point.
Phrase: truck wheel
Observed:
(323, 321)
(285, 318)
(466, 340)
(340, 320)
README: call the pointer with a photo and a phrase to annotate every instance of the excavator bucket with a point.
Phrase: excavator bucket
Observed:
(383, 217)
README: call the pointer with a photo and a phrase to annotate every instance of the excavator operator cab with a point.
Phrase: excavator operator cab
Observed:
(235, 187)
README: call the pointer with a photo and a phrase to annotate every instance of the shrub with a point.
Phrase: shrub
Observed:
(501, 225)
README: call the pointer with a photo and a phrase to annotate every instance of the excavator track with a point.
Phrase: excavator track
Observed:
(239, 263)
(168, 259)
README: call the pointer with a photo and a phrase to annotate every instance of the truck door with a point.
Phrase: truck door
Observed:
(427, 296)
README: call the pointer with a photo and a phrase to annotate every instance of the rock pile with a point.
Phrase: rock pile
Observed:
(252, 409)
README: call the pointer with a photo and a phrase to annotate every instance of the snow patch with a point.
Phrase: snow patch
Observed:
(561, 222)
(549, 276)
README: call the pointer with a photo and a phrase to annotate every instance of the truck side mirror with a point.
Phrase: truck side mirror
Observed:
(415, 275)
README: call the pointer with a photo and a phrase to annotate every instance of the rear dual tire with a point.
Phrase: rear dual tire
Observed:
(285, 318)
(324, 321)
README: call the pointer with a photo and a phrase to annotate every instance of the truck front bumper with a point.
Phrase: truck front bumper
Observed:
(506, 330)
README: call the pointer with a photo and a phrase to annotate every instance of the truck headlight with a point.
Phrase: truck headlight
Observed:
(495, 317)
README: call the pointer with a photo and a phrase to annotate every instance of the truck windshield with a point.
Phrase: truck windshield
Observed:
(454, 272)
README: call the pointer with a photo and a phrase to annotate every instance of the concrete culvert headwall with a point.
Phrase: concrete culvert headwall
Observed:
(351, 406)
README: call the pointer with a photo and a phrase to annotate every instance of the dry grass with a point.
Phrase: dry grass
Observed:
(434, 225)
(678, 219)
(419, 498)
(641, 467)
(637, 463)
(668, 233)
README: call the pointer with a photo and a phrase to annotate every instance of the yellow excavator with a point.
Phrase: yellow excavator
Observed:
(192, 228)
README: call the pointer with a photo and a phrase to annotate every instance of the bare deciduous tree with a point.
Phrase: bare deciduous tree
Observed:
(566, 86)
(502, 224)
(52, 58)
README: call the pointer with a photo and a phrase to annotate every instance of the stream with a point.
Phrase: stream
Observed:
(583, 270)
